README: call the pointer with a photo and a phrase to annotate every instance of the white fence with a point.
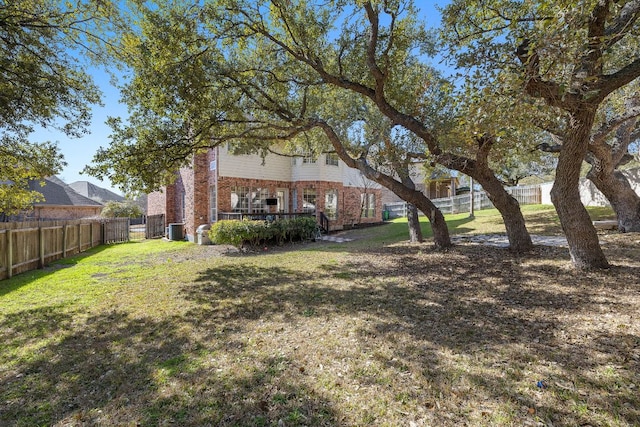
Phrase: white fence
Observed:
(526, 195)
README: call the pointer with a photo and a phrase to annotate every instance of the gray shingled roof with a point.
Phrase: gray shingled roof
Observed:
(94, 192)
(57, 193)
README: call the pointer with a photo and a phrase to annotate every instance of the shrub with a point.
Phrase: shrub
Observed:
(237, 233)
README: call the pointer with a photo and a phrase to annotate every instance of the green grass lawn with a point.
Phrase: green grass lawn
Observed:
(540, 219)
(371, 332)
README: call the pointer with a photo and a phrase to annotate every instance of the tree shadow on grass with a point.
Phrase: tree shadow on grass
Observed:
(520, 317)
(114, 369)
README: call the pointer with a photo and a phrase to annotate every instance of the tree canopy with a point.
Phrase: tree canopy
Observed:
(126, 209)
(304, 75)
(568, 58)
(42, 83)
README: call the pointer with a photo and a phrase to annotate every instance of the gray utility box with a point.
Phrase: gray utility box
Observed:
(175, 231)
(202, 234)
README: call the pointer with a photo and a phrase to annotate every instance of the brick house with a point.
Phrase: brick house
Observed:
(219, 183)
(438, 185)
(60, 202)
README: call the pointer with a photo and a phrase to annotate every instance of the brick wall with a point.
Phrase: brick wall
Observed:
(225, 184)
(157, 203)
(349, 198)
(195, 183)
(163, 202)
(65, 212)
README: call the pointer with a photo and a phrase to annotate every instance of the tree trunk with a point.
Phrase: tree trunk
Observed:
(581, 235)
(509, 208)
(415, 232)
(441, 238)
(623, 199)
(507, 205)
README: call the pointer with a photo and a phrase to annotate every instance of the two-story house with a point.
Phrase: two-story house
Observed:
(220, 183)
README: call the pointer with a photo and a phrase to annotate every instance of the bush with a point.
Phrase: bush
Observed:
(126, 209)
(254, 233)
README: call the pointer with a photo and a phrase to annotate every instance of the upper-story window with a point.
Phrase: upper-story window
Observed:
(309, 157)
(332, 159)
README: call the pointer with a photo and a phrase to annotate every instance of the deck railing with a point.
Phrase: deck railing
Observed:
(261, 216)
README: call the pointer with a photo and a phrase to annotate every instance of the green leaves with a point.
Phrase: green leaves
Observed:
(21, 162)
(43, 83)
(127, 209)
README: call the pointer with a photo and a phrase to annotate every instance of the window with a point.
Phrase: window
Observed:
(294, 197)
(183, 207)
(259, 200)
(249, 200)
(368, 203)
(309, 200)
(331, 204)
(332, 159)
(213, 204)
(308, 158)
(240, 199)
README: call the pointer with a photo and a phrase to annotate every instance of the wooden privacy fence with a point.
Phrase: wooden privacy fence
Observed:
(26, 246)
(154, 227)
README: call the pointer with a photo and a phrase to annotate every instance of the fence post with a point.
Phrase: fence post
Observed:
(41, 234)
(64, 241)
(9, 253)
(471, 211)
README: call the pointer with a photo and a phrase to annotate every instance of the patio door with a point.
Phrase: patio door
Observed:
(282, 194)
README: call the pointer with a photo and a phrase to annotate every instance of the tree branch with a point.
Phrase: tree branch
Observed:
(620, 26)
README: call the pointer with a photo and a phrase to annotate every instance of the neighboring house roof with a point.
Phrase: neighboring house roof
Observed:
(441, 175)
(94, 192)
(57, 193)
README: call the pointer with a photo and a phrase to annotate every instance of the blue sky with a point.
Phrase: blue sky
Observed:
(79, 152)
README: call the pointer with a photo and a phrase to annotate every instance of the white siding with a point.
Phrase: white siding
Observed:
(277, 168)
(318, 171)
(281, 168)
(353, 178)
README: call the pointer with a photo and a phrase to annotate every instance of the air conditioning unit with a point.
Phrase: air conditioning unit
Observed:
(175, 231)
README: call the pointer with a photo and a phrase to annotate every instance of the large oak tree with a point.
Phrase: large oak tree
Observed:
(271, 71)
(572, 56)
(42, 83)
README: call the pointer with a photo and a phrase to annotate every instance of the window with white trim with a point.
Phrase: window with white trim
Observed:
(309, 158)
(332, 159)
(331, 204)
(213, 204)
(368, 203)
(240, 199)
(309, 200)
(249, 200)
